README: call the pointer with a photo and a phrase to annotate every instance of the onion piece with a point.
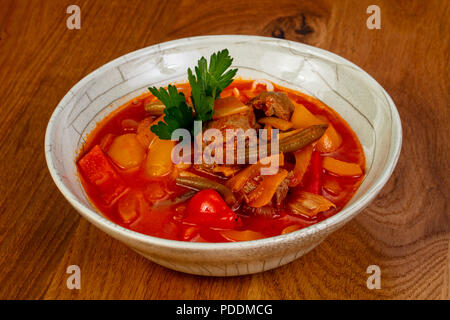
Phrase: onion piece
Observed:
(309, 204)
(267, 84)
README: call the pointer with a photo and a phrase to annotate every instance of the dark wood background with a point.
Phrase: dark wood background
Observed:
(406, 230)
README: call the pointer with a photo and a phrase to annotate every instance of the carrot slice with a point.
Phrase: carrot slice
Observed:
(97, 170)
(330, 141)
(302, 118)
(238, 181)
(266, 189)
(302, 159)
(341, 168)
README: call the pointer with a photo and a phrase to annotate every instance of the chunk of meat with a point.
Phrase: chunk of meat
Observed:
(273, 104)
(242, 121)
(265, 191)
(282, 190)
(278, 198)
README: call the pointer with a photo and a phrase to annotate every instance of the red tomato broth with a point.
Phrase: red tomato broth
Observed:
(166, 221)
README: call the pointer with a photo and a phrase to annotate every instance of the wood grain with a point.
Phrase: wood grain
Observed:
(406, 230)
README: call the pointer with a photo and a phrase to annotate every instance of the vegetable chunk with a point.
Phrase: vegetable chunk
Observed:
(228, 106)
(131, 206)
(266, 189)
(302, 159)
(126, 151)
(207, 208)
(341, 168)
(245, 235)
(309, 204)
(96, 169)
(159, 158)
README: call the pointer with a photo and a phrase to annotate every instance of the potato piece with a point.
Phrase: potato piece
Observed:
(126, 151)
(159, 158)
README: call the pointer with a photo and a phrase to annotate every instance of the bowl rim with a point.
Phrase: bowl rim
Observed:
(103, 223)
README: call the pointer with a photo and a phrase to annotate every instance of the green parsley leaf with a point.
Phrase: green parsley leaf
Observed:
(208, 83)
(177, 113)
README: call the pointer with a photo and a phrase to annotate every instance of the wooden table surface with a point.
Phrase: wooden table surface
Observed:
(405, 231)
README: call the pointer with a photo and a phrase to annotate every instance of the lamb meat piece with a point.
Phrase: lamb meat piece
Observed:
(249, 186)
(242, 121)
(282, 190)
(268, 210)
(272, 103)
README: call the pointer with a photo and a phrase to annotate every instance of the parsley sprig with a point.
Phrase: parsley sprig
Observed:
(206, 85)
(177, 114)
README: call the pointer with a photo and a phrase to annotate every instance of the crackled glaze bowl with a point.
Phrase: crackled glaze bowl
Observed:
(354, 94)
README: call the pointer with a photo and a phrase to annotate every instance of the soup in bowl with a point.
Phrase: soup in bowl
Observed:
(231, 164)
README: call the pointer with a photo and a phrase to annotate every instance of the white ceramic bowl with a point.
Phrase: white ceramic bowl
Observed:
(356, 96)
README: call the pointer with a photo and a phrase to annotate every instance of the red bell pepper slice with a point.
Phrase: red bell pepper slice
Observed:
(315, 182)
(99, 172)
